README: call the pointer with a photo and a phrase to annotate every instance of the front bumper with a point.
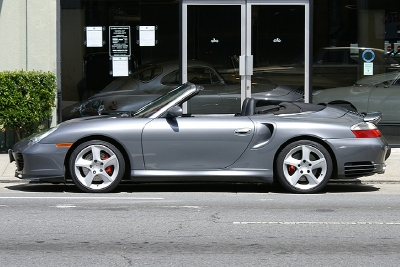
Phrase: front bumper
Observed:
(38, 162)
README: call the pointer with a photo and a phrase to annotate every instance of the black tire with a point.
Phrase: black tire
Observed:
(304, 167)
(96, 166)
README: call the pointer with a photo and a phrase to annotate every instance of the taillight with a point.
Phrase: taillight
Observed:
(366, 130)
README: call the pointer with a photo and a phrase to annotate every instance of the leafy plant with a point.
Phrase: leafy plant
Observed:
(26, 99)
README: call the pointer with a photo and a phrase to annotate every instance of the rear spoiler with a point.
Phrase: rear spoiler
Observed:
(373, 117)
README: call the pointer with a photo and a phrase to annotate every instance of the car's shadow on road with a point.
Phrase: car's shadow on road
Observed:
(355, 187)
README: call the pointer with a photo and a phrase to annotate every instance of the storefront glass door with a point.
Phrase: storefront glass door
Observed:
(213, 38)
(277, 46)
(255, 48)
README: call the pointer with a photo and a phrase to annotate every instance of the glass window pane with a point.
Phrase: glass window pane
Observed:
(365, 75)
(278, 45)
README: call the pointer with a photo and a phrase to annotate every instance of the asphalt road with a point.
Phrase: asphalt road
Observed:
(199, 225)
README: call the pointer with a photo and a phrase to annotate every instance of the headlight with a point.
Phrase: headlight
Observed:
(38, 137)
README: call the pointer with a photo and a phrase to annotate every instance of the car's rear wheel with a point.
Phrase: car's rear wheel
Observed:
(304, 167)
(96, 166)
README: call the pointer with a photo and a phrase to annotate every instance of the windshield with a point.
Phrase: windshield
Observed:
(160, 102)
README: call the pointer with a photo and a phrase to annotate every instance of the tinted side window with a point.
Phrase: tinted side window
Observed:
(202, 75)
(352, 59)
(332, 57)
(171, 79)
(148, 74)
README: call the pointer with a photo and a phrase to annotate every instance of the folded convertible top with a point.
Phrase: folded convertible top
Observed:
(288, 108)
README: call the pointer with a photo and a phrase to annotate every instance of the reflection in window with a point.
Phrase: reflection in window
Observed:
(397, 82)
(196, 75)
(201, 75)
(147, 74)
(171, 79)
(332, 57)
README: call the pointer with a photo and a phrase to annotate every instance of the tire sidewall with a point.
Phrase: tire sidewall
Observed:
(280, 173)
(110, 146)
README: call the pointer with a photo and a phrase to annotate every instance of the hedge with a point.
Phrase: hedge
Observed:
(26, 99)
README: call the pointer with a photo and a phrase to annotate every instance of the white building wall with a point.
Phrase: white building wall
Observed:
(42, 35)
(29, 36)
(13, 35)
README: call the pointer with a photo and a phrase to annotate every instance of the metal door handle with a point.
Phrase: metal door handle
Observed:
(242, 131)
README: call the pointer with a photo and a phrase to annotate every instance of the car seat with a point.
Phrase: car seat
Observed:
(248, 107)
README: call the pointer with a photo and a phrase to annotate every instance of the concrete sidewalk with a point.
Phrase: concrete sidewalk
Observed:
(391, 175)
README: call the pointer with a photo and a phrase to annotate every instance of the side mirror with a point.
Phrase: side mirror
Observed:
(174, 112)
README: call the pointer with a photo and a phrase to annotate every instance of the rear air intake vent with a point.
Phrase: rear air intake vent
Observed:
(354, 169)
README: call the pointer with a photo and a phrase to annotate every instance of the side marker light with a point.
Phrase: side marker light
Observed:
(64, 144)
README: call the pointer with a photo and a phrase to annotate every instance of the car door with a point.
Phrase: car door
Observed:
(195, 143)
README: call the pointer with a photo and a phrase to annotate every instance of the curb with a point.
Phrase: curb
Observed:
(7, 180)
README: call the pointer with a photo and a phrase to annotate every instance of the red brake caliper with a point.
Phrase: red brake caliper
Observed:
(110, 169)
(291, 169)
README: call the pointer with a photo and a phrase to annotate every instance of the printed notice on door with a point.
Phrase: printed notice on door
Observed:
(147, 35)
(120, 66)
(94, 36)
(120, 44)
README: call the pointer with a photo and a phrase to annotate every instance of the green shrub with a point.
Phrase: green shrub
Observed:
(26, 99)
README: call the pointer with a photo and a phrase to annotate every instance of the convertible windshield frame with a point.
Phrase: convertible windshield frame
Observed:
(160, 105)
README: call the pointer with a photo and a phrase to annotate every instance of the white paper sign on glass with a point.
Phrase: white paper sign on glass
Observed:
(120, 66)
(147, 35)
(94, 36)
(368, 68)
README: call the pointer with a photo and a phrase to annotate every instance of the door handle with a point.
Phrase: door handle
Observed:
(242, 131)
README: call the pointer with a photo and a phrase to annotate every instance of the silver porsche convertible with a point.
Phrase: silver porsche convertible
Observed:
(300, 145)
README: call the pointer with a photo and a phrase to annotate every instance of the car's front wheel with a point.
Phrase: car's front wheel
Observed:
(304, 167)
(96, 166)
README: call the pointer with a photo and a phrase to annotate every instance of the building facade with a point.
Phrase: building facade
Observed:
(319, 47)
